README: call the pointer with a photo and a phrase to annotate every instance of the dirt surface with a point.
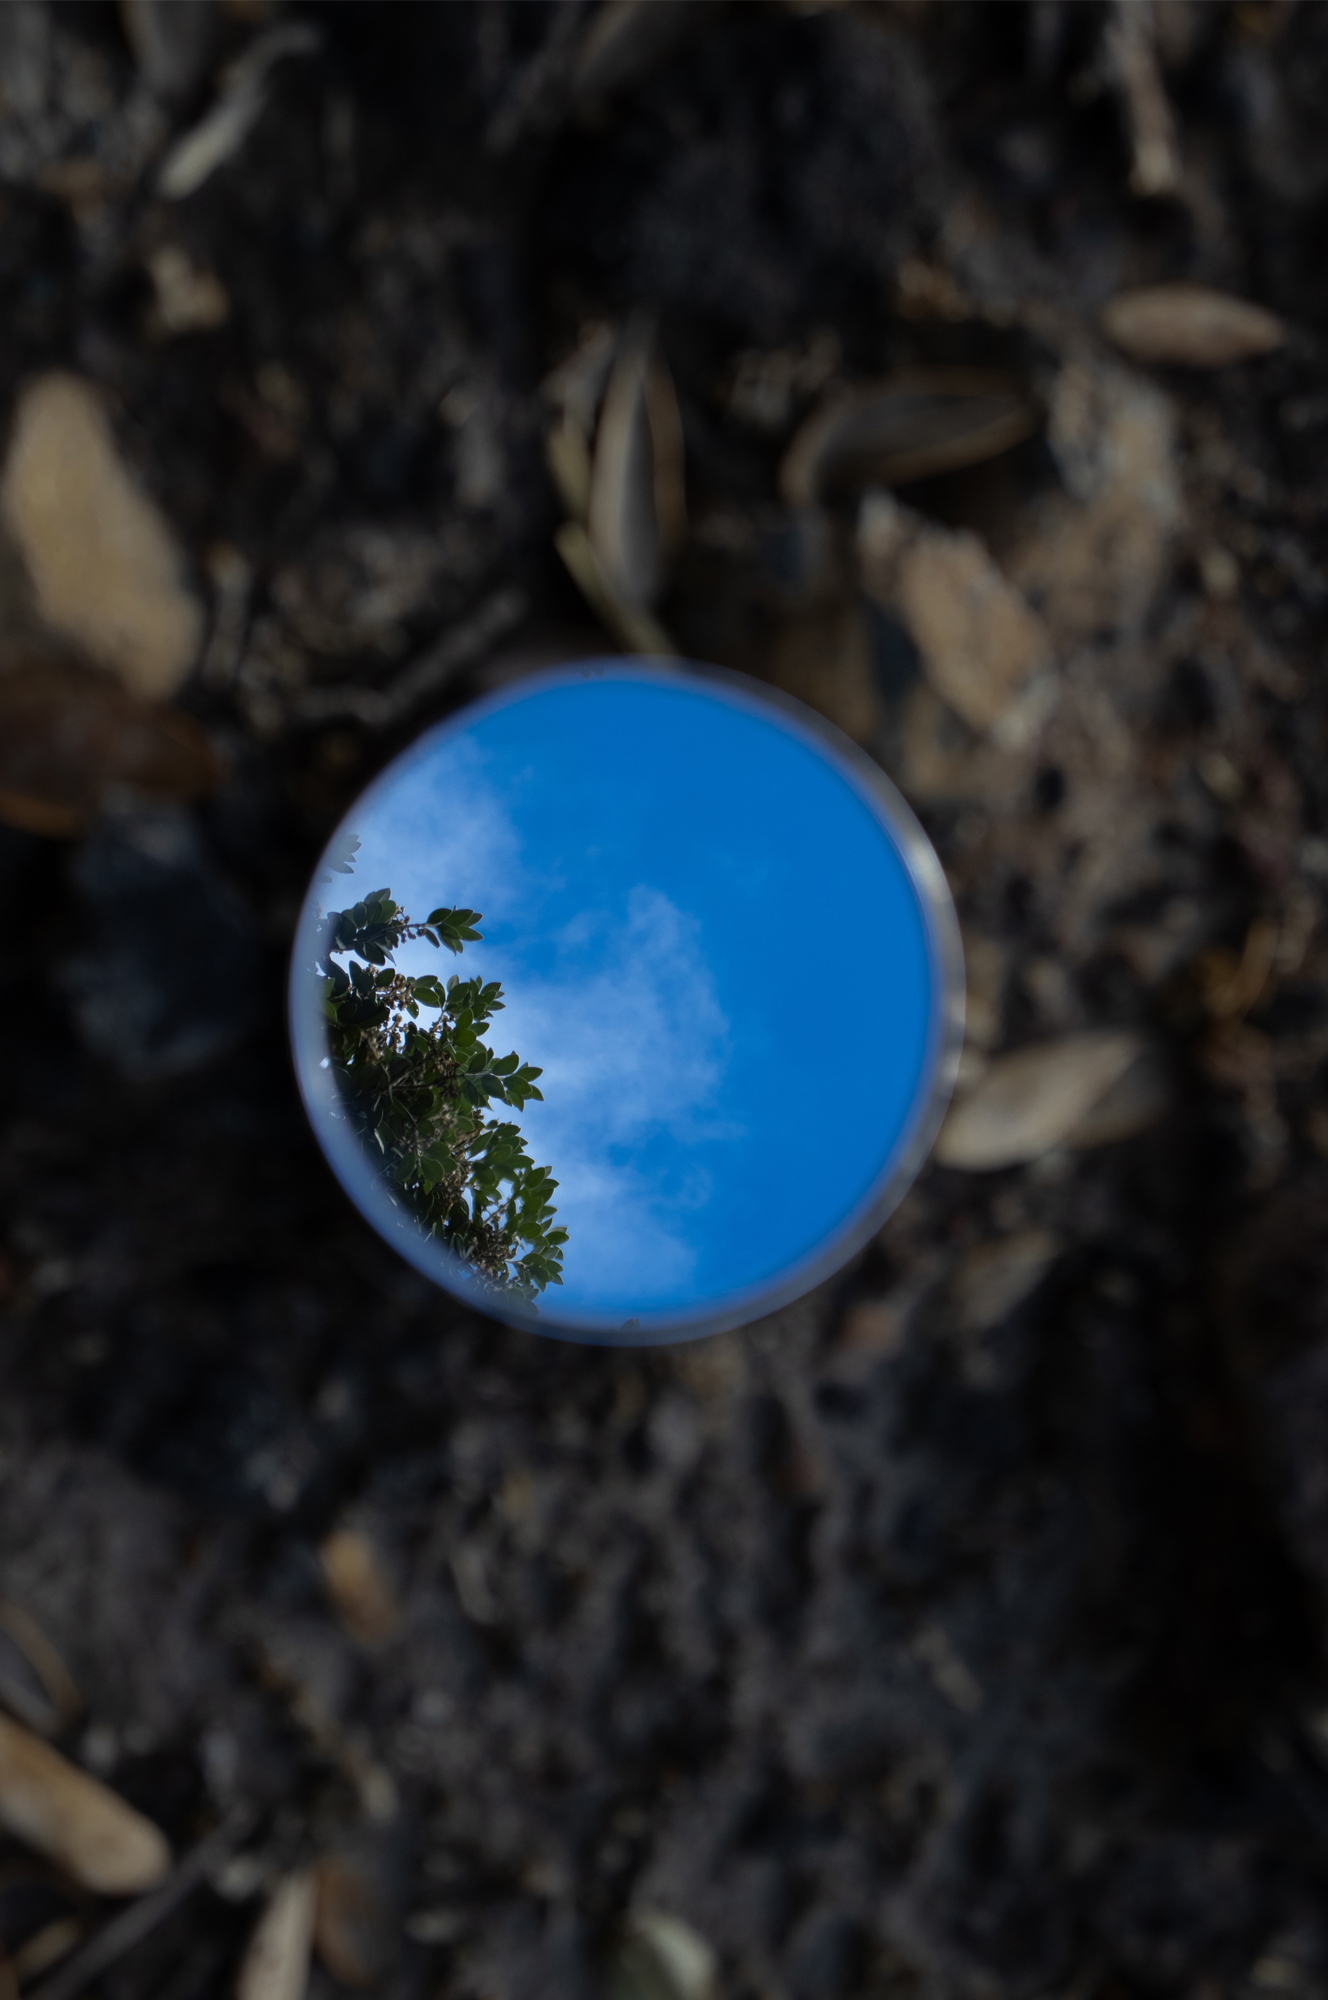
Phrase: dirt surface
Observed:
(960, 1629)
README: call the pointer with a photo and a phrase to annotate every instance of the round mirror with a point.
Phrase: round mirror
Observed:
(626, 1002)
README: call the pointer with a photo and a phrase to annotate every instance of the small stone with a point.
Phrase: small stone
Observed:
(104, 566)
(1026, 1103)
(1190, 326)
(362, 1597)
(188, 300)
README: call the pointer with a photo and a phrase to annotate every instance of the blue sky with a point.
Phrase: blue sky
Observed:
(706, 940)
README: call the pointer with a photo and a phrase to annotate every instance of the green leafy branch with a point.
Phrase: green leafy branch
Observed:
(417, 1092)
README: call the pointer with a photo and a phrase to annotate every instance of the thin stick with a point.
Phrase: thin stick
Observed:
(122, 1933)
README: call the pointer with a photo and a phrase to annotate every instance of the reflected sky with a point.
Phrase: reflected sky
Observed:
(708, 942)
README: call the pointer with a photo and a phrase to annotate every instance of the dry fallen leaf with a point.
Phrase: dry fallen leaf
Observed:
(1091, 559)
(659, 1957)
(979, 641)
(58, 1810)
(71, 736)
(1129, 48)
(996, 1277)
(1025, 1103)
(276, 1962)
(909, 426)
(173, 42)
(355, 1931)
(636, 512)
(821, 655)
(634, 626)
(361, 1595)
(625, 41)
(1190, 326)
(241, 100)
(35, 1684)
(104, 565)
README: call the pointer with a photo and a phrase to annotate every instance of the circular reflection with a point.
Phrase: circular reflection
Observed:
(625, 1003)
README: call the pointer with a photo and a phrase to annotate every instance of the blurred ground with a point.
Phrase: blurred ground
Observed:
(960, 1630)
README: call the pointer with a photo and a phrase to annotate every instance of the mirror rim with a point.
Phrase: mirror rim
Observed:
(936, 1077)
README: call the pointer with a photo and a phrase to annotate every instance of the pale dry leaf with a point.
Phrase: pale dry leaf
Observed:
(275, 1965)
(908, 426)
(994, 1278)
(188, 299)
(625, 41)
(822, 656)
(45, 1697)
(72, 737)
(355, 1931)
(635, 511)
(1190, 326)
(173, 42)
(979, 641)
(984, 983)
(660, 1957)
(72, 1819)
(576, 386)
(1138, 1100)
(361, 1595)
(46, 1947)
(1025, 1103)
(1129, 42)
(636, 627)
(1093, 558)
(951, 1677)
(221, 132)
(104, 565)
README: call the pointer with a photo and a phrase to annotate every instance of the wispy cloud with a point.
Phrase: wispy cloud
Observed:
(618, 1008)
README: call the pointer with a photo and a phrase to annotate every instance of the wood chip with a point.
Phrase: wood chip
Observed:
(71, 737)
(1190, 326)
(361, 1595)
(105, 568)
(908, 426)
(58, 1810)
(659, 1957)
(979, 641)
(355, 1927)
(1025, 1103)
(276, 1963)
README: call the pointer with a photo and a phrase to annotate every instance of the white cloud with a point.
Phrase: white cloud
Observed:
(621, 1015)
(633, 1044)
